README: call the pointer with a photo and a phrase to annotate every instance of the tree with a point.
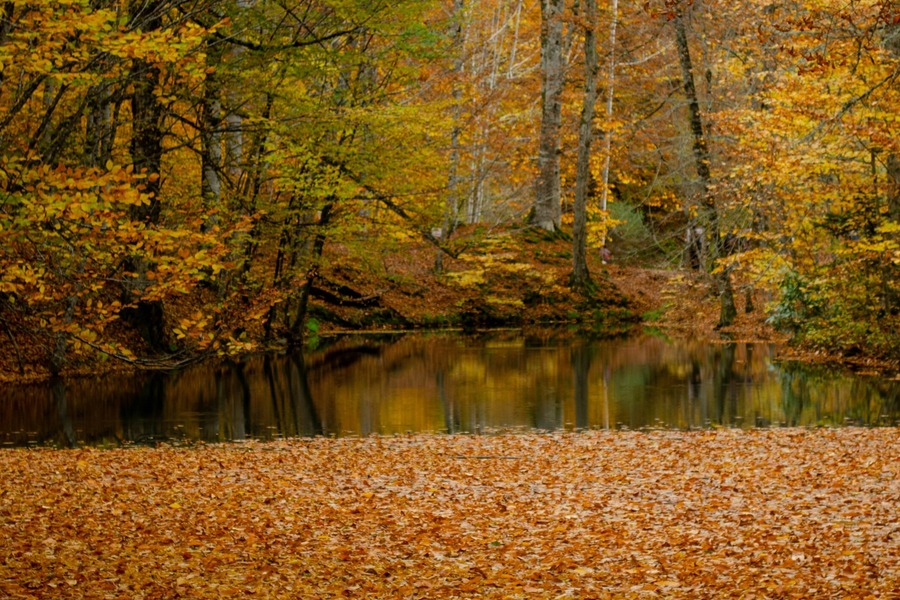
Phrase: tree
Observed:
(580, 274)
(610, 98)
(547, 203)
(454, 186)
(66, 213)
(812, 149)
(702, 161)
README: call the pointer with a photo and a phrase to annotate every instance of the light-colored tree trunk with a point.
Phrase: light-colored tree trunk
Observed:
(581, 276)
(451, 217)
(234, 144)
(610, 96)
(546, 214)
(510, 68)
(211, 132)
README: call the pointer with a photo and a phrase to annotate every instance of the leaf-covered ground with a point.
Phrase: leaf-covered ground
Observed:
(760, 514)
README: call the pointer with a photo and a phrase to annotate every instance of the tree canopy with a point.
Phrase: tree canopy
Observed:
(185, 169)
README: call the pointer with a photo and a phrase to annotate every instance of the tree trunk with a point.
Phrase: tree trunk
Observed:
(146, 155)
(581, 277)
(147, 114)
(890, 293)
(728, 312)
(211, 134)
(892, 43)
(610, 96)
(451, 218)
(546, 213)
(299, 320)
(6, 25)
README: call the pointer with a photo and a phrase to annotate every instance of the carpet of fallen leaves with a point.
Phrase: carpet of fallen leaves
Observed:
(782, 513)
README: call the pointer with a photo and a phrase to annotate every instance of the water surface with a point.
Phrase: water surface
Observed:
(449, 383)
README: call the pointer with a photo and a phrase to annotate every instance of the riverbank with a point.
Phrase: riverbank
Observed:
(785, 513)
(683, 304)
(510, 279)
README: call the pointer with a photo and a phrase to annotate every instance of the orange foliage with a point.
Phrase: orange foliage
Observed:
(712, 514)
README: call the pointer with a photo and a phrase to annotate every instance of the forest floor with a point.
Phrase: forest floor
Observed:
(728, 513)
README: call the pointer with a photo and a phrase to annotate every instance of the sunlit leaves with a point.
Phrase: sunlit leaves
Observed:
(67, 199)
(808, 165)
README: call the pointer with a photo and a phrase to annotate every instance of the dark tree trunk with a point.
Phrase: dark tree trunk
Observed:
(581, 277)
(146, 155)
(312, 274)
(211, 135)
(147, 114)
(701, 158)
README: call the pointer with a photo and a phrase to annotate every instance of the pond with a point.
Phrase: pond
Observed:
(446, 382)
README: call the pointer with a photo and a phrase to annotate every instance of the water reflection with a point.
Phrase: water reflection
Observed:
(450, 383)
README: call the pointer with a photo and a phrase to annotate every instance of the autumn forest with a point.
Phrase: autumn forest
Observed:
(177, 175)
(183, 180)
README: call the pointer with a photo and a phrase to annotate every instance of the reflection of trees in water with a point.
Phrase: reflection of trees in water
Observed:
(581, 366)
(794, 397)
(724, 388)
(305, 417)
(66, 429)
(232, 402)
(817, 396)
(682, 385)
(451, 408)
(447, 383)
(143, 418)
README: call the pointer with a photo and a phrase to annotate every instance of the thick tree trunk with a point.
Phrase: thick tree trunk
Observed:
(100, 129)
(547, 191)
(581, 277)
(147, 114)
(701, 158)
(146, 155)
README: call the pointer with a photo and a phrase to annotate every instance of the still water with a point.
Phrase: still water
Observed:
(449, 383)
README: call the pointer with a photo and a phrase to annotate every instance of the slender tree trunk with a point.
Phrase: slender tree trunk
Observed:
(296, 329)
(728, 311)
(60, 339)
(890, 292)
(581, 277)
(211, 134)
(451, 218)
(610, 96)
(547, 210)
(256, 172)
(510, 68)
